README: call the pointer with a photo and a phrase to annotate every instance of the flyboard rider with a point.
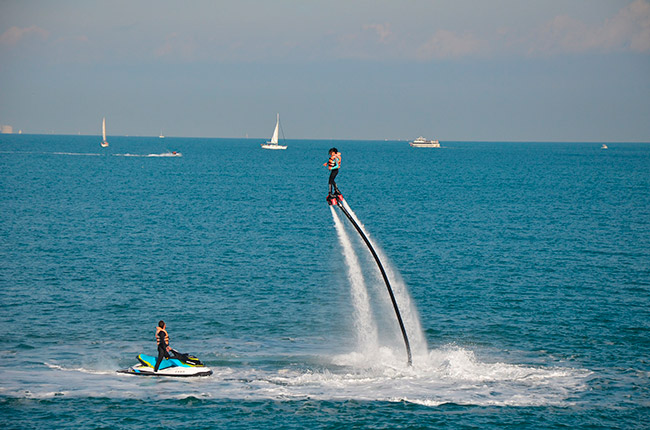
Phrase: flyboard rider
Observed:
(333, 164)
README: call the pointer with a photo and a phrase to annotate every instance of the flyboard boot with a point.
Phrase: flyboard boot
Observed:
(334, 196)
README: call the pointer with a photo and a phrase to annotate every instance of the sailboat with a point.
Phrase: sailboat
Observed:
(273, 143)
(104, 142)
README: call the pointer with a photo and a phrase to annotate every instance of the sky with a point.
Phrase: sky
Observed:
(499, 70)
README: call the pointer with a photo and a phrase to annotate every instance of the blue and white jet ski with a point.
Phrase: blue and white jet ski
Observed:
(178, 364)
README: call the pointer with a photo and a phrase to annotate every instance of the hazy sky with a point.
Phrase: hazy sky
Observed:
(553, 70)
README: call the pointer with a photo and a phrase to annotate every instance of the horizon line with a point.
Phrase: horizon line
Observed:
(329, 139)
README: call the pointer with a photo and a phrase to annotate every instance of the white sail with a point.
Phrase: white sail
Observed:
(104, 142)
(274, 139)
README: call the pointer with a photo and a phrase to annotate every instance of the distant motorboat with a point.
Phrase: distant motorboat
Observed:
(421, 142)
(603, 147)
(167, 154)
(104, 142)
(273, 143)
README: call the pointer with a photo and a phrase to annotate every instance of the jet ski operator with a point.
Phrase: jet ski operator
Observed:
(333, 164)
(162, 339)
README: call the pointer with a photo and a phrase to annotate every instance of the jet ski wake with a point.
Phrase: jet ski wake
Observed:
(179, 365)
(336, 199)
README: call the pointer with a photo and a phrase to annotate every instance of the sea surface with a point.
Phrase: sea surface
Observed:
(522, 271)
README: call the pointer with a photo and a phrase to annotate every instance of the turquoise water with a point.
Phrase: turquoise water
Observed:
(522, 269)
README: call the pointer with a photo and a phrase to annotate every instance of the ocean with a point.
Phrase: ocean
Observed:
(522, 272)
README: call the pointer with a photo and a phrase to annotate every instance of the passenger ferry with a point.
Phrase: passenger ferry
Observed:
(421, 142)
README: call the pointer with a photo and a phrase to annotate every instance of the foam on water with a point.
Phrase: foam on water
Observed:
(447, 375)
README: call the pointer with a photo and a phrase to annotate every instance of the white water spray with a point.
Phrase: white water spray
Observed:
(409, 312)
(366, 328)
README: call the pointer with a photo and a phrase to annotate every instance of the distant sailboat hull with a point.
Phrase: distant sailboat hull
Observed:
(273, 146)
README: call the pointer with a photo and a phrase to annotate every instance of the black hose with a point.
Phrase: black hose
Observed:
(383, 274)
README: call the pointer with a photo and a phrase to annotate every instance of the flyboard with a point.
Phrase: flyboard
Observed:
(336, 199)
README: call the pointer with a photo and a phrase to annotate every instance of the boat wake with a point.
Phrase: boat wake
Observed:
(92, 154)
(78, 154)
(163, 154)
(78, 369)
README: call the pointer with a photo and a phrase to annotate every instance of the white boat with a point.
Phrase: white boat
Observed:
(421, 142)
(273, 143)
(104, 142)
(603, 147)
(162, 136)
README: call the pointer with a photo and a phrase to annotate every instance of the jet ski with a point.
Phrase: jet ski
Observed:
(178, 364)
